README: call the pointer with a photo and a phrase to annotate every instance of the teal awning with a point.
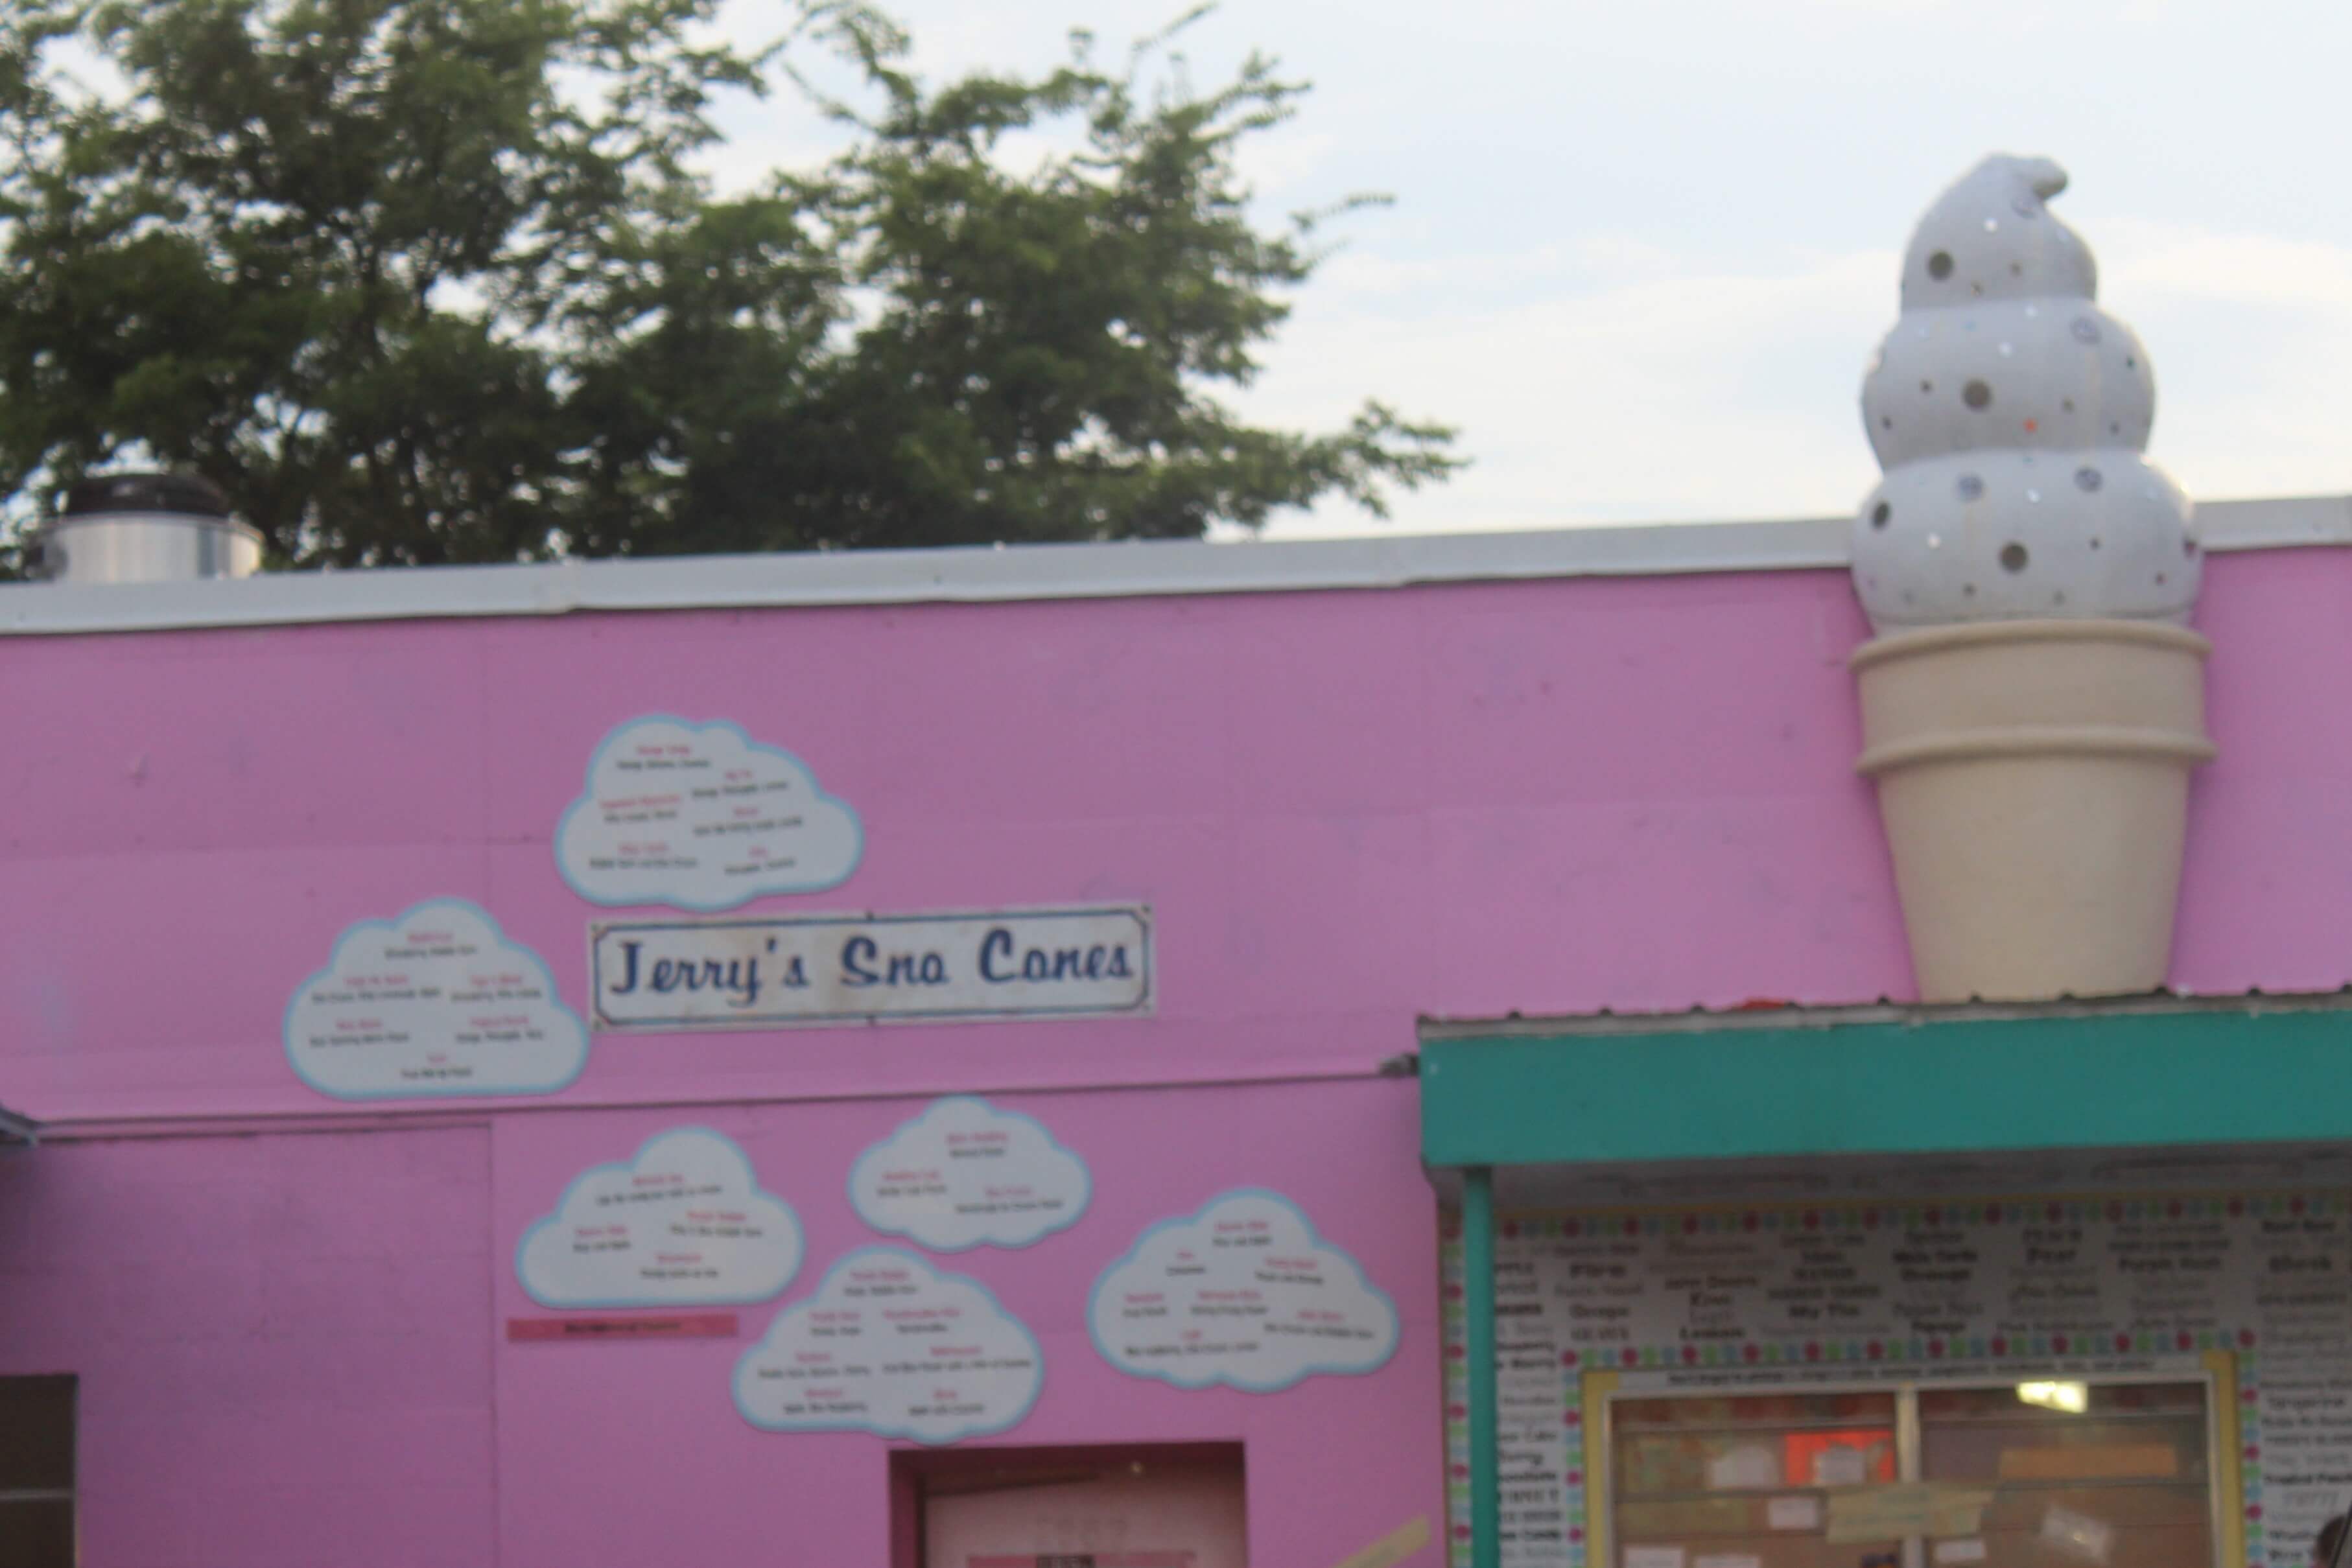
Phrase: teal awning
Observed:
(15, 1129)
(1884, 1081)
(1876, 1081)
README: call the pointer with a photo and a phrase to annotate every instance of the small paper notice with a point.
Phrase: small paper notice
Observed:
(1726, 1560)
(1910, 1507)
(1793, 1513)
(1969, 1550)
(1749, 1467)
(1653, 1557)
(2078, 1534)
(1841, 1466)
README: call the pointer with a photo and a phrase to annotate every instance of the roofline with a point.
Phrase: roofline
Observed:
(1776, 1016)
(983, 574)
(18, 1129)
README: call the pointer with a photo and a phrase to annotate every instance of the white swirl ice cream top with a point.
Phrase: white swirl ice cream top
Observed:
(2009, 413)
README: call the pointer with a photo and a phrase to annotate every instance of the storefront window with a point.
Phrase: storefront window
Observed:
(2034, 1474)
(2095, 1473)
(36, 1472)
(1742, 1477)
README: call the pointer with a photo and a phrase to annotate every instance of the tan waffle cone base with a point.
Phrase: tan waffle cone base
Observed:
(2033, 779)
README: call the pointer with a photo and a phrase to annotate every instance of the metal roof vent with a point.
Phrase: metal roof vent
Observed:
(146, 528)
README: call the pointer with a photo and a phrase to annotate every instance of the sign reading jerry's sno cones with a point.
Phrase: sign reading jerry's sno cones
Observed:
(763, 972)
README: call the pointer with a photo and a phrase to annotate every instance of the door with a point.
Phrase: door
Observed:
(1125, 1514)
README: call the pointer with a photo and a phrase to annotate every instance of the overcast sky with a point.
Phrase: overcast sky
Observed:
(1643, 250)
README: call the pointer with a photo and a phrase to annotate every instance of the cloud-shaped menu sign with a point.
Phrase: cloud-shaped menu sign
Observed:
(432, 1002)
(891, 1346)
(701, 817)
(1241, 1294)
(683, 1224)
(964, 1173)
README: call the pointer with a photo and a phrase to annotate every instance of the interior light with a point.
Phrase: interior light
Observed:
(2071, 1398)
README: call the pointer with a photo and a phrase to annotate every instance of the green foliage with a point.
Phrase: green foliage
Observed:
(437, 280)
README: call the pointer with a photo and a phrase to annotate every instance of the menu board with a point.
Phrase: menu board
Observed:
(700, 816)
(889, 1345)
(2299, 1464)
(964, 1173)
(1242, 1294)
(682, 1224)
(434, 1001)
(1720, 1294)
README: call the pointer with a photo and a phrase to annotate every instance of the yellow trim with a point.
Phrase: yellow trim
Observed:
(1597, 1387)
(1390, 1549)
(2230, 1492)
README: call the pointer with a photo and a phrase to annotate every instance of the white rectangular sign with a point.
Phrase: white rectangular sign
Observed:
(671, 975)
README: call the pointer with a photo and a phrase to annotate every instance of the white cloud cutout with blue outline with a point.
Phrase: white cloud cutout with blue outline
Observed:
(890, 1345)
(701, 817)
(682, 1224)
(1242, 1293)
(433, 1003)
(964, 1173)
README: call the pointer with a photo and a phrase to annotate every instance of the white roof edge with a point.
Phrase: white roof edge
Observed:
(982, 574)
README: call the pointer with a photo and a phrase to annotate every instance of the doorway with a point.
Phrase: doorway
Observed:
(1162, 1506)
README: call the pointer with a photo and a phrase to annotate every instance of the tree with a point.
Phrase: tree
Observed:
(437, 280)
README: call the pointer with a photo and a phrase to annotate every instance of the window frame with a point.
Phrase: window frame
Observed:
(71, 1493)
(1602, 1392)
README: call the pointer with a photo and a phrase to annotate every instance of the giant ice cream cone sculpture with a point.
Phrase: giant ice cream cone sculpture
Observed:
(2033, 705)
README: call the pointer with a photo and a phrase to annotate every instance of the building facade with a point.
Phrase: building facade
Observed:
(1159, 1056)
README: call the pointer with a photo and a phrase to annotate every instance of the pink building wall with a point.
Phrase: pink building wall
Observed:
(1347, 810)
(283, 1342)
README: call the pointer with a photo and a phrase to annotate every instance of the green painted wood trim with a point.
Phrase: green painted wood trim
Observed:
(2200, 1075)
(1478, 1319)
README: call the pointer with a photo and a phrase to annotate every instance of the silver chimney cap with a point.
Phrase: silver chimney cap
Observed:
(145, 528)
